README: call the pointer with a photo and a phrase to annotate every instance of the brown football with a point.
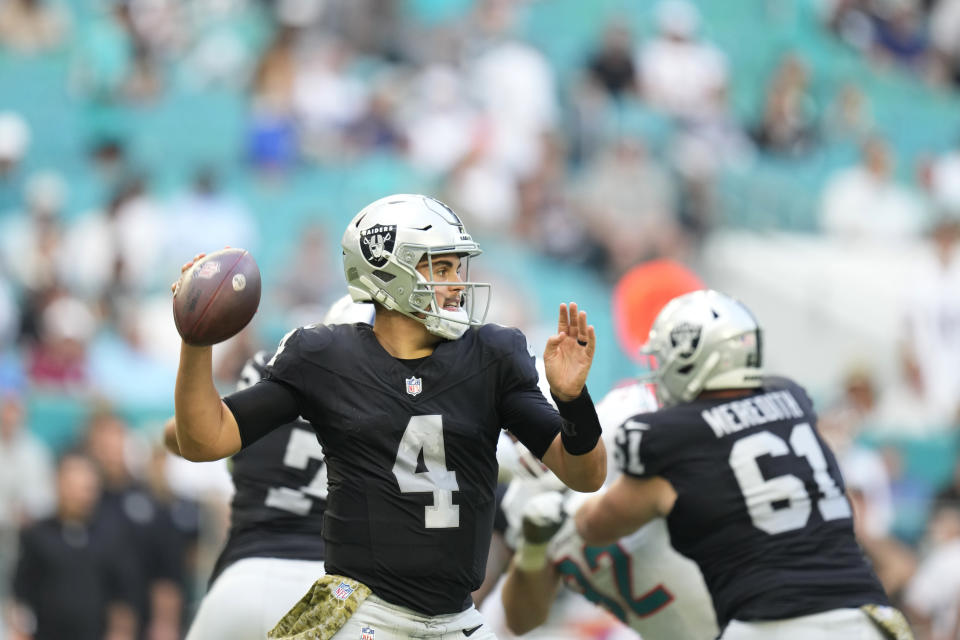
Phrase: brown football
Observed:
(216, 297)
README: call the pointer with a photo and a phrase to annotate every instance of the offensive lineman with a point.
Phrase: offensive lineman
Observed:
(640, 578)
(408, 413)
(749, 491)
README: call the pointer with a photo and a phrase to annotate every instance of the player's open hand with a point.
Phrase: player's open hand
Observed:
(569, 354)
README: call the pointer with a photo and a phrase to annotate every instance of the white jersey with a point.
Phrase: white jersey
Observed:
(640, 579)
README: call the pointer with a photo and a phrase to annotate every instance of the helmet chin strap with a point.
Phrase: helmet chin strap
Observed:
(448, 324)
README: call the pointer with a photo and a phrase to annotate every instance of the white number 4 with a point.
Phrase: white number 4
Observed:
(425, 433)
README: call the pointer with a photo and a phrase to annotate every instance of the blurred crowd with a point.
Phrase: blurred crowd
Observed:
(609, 163)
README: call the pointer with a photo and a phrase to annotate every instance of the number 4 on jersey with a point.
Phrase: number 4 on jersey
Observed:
(425, 433)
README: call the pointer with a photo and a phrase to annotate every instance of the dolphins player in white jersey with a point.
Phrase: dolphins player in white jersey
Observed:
(640, 579)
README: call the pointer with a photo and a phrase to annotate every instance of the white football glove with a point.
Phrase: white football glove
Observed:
(543, 515)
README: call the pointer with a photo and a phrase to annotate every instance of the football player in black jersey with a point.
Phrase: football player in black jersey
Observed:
(274, 550)
(408, 412)
(748, 488)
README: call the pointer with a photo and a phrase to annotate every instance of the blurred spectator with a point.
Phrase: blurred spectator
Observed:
(851, 21)
(853, 412)
(945, 37)
(104, 54)
(788, 124)
(545, 217)
(629, 204)
(272, 140)
(206, 219)
(867, 479)
(58, 360)
(31, 237)
(377, 127)
(900, 35)
(611, 66)
(125, 345)
(949, 495)
(679, 73)
(931, 342)
(30, 250)
(440, 123)
(26, 467)
(72, 578)
(32, 26)
(933, 594)
(701, 151)
(945, 181)
(877, 493)
(484, 191)
(327, 99)
(14, 143)
(26, 485)
(848, 117)
(219, 55)
(130, 508)
(865, 202)
(115, 252)
(159, 26)
(177, 528)
(273, 81)
(515, 87)
(145, 82)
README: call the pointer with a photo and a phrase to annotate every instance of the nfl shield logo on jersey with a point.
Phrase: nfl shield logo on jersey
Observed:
(367, 633)
(414, 386)
(343, 591)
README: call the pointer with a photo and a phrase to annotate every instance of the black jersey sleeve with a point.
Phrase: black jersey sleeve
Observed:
(524, 410)
(262, 408)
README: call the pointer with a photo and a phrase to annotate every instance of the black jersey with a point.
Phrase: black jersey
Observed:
(280, 493)
(761, 506)
(411, 454)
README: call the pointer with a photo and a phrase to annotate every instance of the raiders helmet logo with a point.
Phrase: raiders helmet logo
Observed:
(377, 242)
(684, 338)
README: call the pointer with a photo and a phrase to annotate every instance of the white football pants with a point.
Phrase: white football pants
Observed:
(380, 620)
(836, 624)
(250, 596)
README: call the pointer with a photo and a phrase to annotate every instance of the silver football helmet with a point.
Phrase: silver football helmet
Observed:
(703, 340)
(385, 242)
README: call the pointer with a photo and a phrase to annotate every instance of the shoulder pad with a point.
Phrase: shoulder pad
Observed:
(503, 339)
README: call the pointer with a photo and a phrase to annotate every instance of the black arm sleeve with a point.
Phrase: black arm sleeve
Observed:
(581, 426)
(262, 408)
(528, 415)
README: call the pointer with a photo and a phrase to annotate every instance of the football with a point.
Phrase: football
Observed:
(216, 297)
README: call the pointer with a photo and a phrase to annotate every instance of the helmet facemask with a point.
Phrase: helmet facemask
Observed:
(472, 306)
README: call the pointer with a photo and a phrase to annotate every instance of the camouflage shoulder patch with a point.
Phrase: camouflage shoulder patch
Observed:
(889, 621)
(322, 611)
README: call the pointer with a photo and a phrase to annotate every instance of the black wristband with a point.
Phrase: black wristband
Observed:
(581, 426)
